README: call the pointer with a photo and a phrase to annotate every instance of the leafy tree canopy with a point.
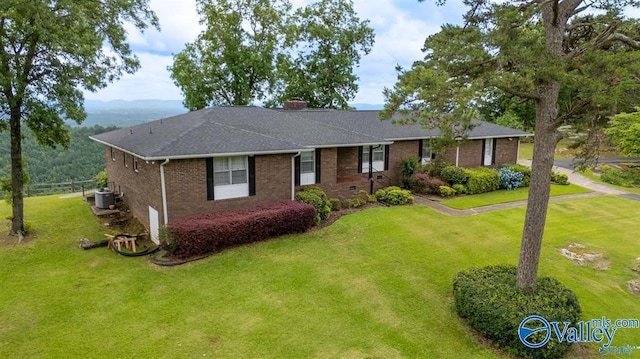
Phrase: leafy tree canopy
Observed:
(49, 51)
(624, 132)
(260, 50)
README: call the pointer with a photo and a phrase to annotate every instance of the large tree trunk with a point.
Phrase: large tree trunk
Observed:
(546, 138)
(17, 223)
(555, 17)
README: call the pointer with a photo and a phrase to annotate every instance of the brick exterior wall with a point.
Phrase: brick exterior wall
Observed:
(139, 189)
(471, 154)
(187, 186)
(507, 150)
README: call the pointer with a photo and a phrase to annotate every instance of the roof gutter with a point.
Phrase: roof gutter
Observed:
(163, 186)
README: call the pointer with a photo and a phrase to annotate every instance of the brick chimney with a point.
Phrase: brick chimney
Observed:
(293, 105)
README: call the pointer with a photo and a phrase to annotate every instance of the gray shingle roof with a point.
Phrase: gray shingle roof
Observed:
(230, 130)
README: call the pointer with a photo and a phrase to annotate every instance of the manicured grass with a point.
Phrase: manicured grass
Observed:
(504, 196)
(374, 284)
(562, 150)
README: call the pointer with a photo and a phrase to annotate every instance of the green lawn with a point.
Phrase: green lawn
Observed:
(375, 284)
(503, 196)
(526, 150)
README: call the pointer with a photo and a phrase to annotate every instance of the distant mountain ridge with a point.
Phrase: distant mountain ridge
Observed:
(123, 113)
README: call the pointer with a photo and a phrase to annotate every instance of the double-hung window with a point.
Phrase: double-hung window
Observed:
(427, 152)
(378, 158)
(230, 177)
(307, 168)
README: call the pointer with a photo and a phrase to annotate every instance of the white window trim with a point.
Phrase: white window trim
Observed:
(488, 152)
(227, 191)
(113, 154)
(307, 178)
(378, 166)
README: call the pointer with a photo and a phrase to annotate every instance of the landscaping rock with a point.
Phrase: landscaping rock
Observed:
(634, 286)
(580, 257)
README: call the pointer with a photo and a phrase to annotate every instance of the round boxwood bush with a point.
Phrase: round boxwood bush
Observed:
(316, 197)
(454, 175)
(489, 300)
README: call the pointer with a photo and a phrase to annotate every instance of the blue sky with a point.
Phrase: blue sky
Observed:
(401, 26)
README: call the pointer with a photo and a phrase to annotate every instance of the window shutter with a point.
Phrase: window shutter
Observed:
(420, 145)
(360, 159)
(318, 164)
(484, 145)
(386, 157)
(493, 152)
(210, 184)
(296, 166)
(252, 175)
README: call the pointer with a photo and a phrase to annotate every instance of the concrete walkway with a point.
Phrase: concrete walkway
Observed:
(574, 177)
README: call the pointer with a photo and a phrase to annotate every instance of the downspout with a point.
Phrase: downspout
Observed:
(518, 151)
(457, 154)
(163, 186)
(293, 175)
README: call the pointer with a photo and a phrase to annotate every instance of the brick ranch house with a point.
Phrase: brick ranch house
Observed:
(231, 157)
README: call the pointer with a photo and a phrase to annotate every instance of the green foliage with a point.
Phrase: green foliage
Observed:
(559, 178)
(255, 50)
(325, 42)
(459, 188)
(232, 61)
(446, 191)
(167, 240)
(615, 176)
(453, 175)
(488, 299)
(481, 180)
(335, 204)
(354, 202)
(371, 199)
(6, 185)
(82, 160)
(624, 133)
(101, 179)
(409, 166)
(316, 197)
(526, 173)
(394, 195)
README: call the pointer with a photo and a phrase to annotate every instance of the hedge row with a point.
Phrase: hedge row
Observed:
(205, 234)
(481, 180)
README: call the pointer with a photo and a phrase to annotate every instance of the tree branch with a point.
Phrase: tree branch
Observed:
(624, 39)
(518, 93)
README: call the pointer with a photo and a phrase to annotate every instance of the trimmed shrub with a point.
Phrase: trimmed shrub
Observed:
(394, 195)
(481, 180)
(316, 197)
(446, 191)
(559, 178)
(489, 300)
(372, 199)
(423, 183)
(509, 178)
(459, 188)
(526, 173)
(454, 175)
(205, 234)
(353, 202)
(335, 204)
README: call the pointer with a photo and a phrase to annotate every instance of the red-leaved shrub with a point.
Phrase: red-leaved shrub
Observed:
(204, 234)
(422, 183)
